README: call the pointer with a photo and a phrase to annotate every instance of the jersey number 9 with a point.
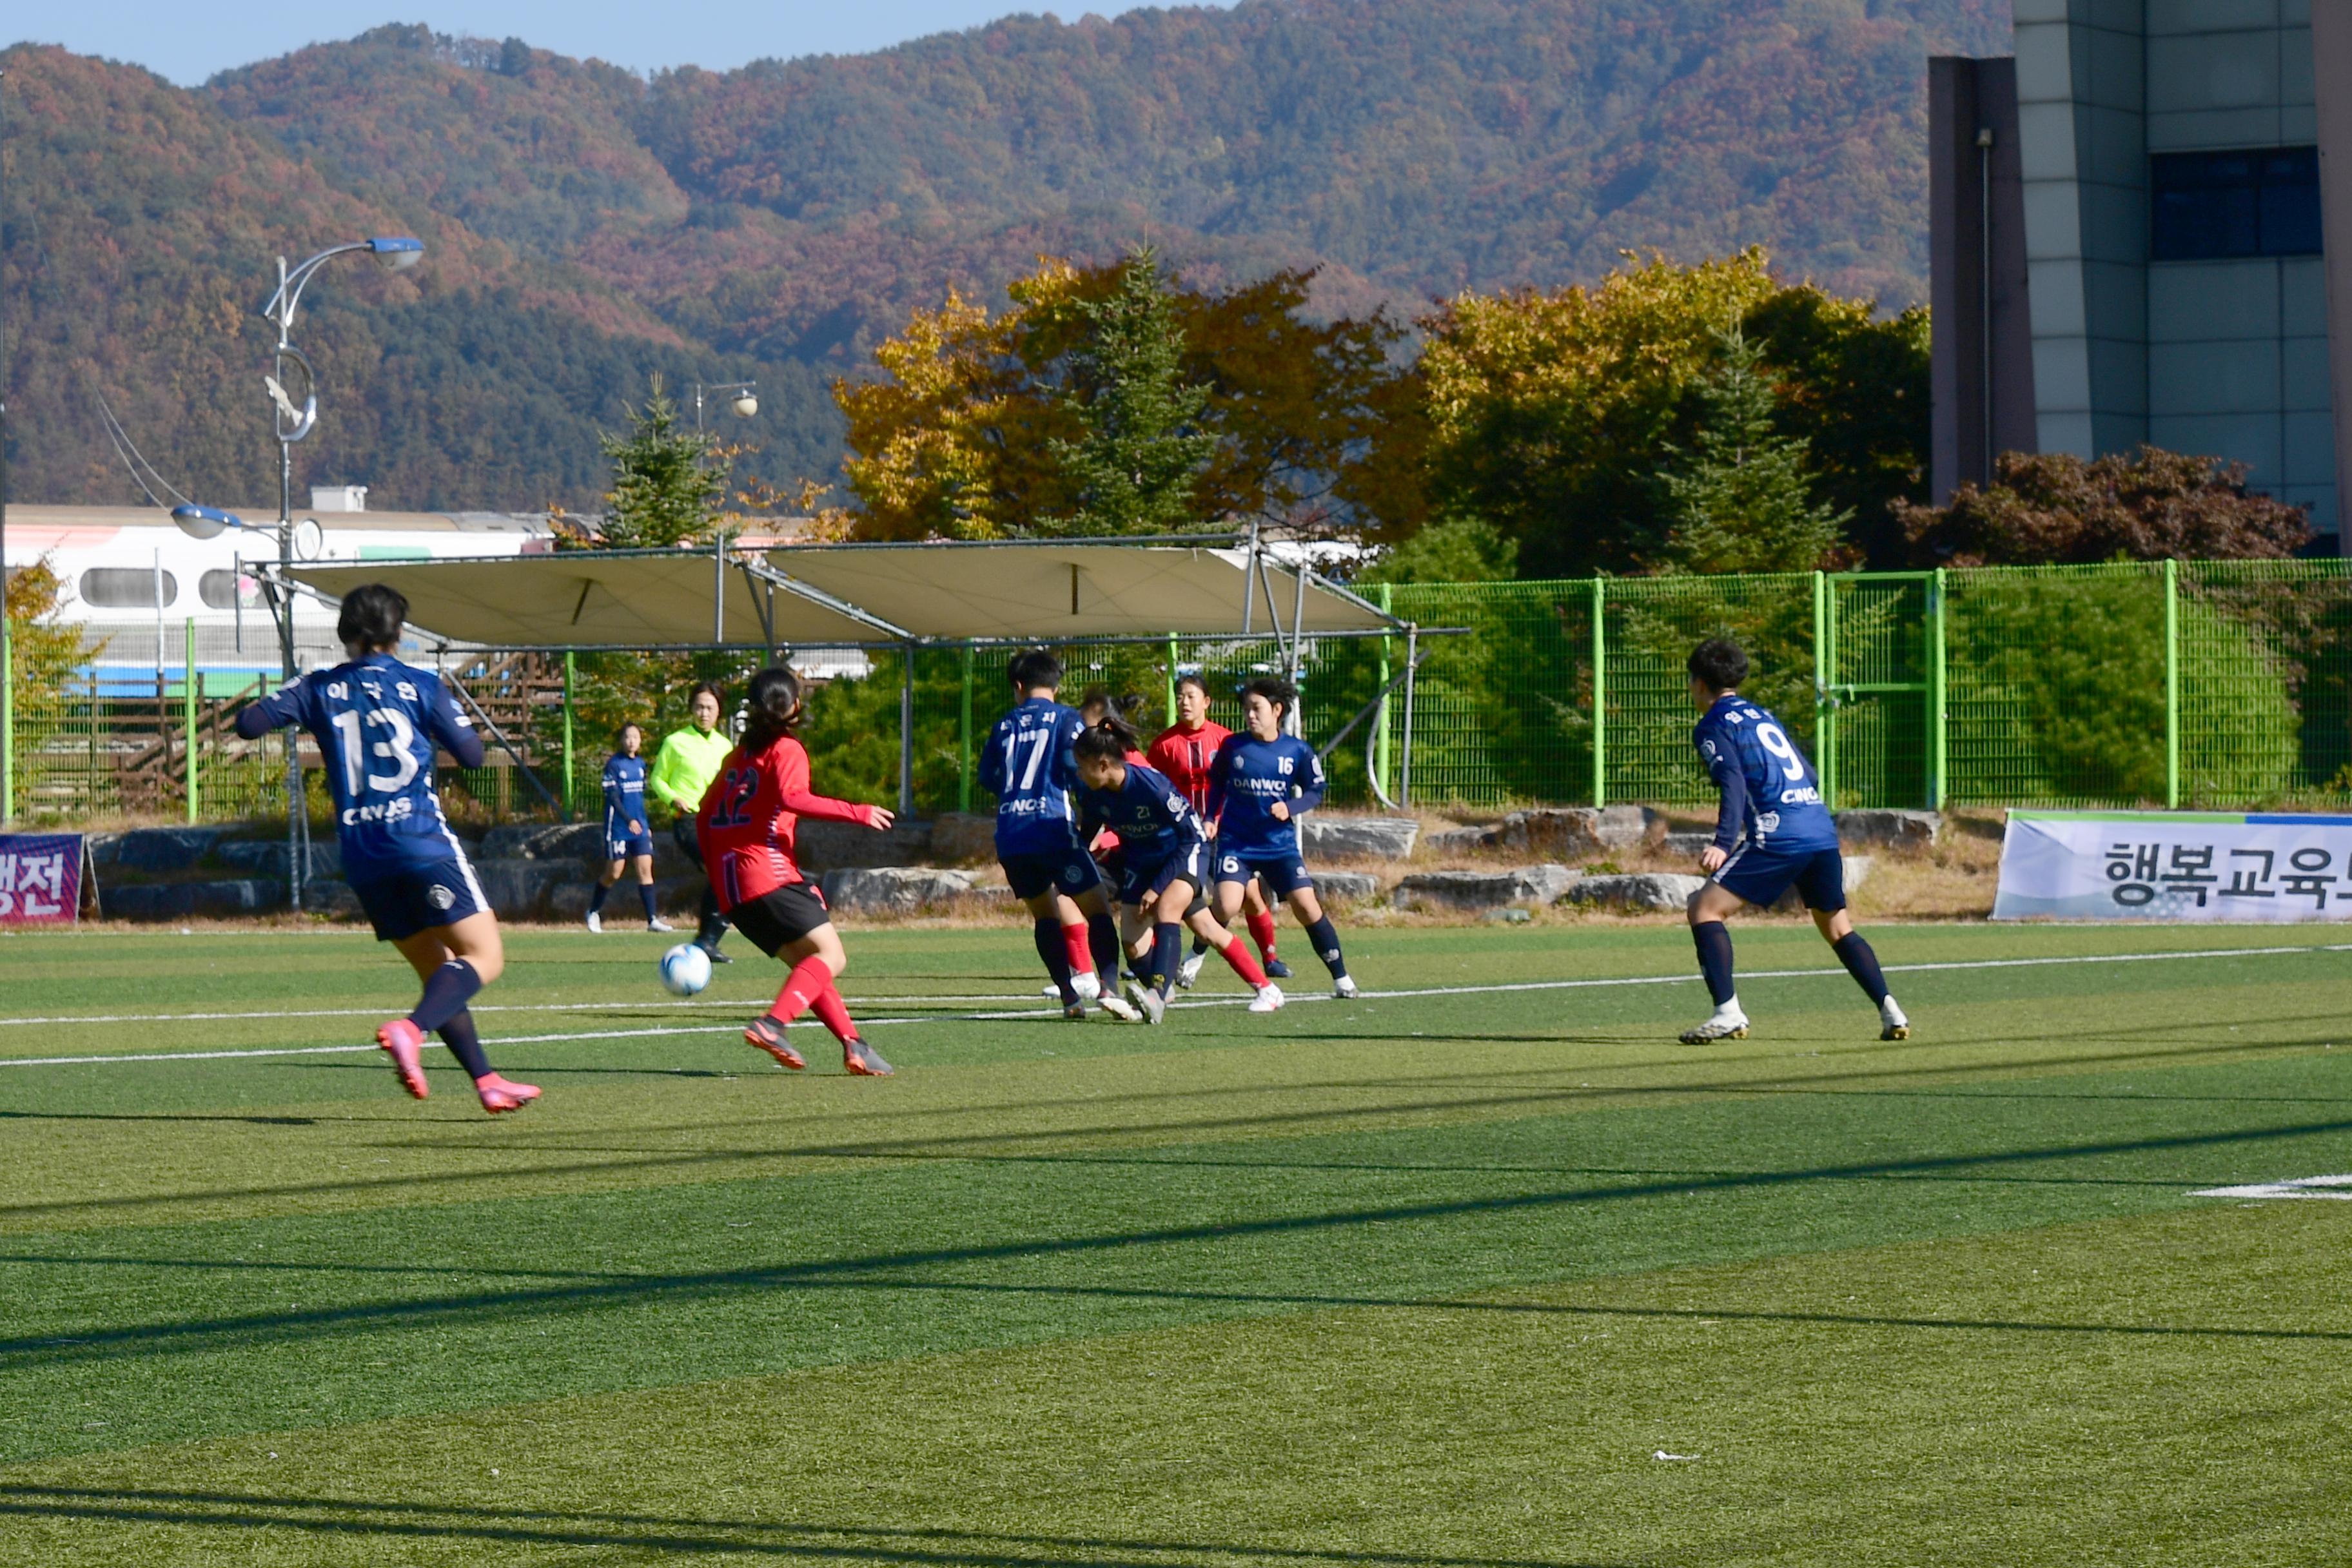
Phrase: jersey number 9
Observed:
(1770, 737)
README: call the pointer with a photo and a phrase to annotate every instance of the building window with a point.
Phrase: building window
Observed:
(126, 588)
(219, 590)
(2258, 202)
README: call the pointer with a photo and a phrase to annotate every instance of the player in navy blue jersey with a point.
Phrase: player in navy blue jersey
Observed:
(628, 841)
(1772, 832)
(1163, 864)
(1028, 766)
(1259, 784)
(378, 723)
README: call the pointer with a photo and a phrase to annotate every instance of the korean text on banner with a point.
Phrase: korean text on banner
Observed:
(40, 879)
(2180, 867)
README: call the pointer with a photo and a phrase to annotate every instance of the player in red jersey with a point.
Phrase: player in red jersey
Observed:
(747, 824)
(1183, 753)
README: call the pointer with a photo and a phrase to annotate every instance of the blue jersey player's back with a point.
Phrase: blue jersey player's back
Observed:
(1028, 766)
(1770, 793)
(378, 723)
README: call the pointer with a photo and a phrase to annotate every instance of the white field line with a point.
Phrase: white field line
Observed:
(2301, 1188)
(379, 1012)
(1037, 1010)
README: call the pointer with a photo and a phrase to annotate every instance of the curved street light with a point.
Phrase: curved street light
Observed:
(293, 388)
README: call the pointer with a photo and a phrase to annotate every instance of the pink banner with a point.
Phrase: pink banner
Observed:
(40, 879)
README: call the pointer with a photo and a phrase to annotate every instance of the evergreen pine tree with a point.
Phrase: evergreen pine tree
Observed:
(1738, 499)
(1136, 467)
(663, 480)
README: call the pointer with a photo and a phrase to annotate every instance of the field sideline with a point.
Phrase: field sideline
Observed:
(1481, 1268)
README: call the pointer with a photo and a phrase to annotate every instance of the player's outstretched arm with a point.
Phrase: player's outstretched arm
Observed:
(275, 711)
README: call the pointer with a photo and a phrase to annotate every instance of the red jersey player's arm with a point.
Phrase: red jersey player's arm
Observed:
(791, 770)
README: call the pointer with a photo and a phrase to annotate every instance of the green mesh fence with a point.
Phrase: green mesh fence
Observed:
(2205, 684)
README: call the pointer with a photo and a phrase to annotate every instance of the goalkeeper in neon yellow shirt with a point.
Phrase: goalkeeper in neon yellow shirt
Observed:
(682, 771)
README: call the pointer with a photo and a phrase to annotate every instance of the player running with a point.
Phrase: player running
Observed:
(1027, 764)
(626, 841)
(1163, 862)
(1262, 779)
(1183, 752)
(747, 825)
(1772, 832)
(377, 722)
(682, 771)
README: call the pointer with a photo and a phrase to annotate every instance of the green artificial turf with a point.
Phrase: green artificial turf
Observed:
(1420, 1279)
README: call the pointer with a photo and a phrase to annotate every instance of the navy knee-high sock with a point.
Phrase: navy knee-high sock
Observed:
(596, 900)
(1325, 938)
(465, 1043)
(447, 991)
(1713, 940)
(1057, 954)
(1862, 963)
(646, 897)
(1102, 939)
(1167, 950)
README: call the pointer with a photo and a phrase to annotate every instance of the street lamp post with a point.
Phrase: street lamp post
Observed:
(745, 400)
(291, 422)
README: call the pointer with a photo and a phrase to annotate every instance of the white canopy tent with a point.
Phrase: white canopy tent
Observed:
(833, 595)
(878, 596)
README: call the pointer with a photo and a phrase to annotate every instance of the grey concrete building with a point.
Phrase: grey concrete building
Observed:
(2137, 210)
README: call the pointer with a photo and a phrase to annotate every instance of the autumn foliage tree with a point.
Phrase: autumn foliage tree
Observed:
(1552, 414)
(977, 426)
(2055, 509)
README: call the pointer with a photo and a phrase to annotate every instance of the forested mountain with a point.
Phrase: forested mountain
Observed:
(587, 227)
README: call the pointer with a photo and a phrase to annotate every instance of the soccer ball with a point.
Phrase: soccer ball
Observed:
(684, 969)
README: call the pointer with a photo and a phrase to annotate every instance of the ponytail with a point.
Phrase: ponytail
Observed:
(774, 709)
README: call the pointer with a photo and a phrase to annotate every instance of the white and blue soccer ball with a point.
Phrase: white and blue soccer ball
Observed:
(684, 969)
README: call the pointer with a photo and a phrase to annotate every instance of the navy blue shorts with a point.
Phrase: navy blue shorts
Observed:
(1149, 879)
(623, 847)
(1071, 870)
(402, 903)
(1283, 872)
(1761, 873)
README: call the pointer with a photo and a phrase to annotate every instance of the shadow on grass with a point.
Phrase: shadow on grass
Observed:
(526, 1528)
(207, 1334)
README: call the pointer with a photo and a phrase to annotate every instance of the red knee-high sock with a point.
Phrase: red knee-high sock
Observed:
(1261, 929)
(1082, 952)
(810, 979)
(833, 1014)
(1237, 953)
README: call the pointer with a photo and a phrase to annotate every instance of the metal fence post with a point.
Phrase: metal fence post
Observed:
(188, 714)
(1172, 677)
(963, 739)
(907, 733)
(1404, 762)
(1600, 691)
(1938, 726)
(570, 675)
(2171, 685)
(1380, 718)
(1824, 699)
(8, 725)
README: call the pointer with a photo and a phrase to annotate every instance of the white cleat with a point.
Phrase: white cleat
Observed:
(1051, 993)
(1122, 1007)
(1154, 1005)
(1190, 970)
(1088, 986)
(1891, 1023)
(657, 923)
(1728, 1023)
(1344, 989)
(595, 920)
(1268, 1000)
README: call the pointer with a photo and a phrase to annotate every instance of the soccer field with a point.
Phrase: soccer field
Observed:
(1481, 1268)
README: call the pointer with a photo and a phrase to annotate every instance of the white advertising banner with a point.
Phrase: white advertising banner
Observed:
(2177, 865)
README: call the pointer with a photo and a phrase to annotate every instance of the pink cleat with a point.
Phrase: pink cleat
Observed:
(405, 1042)
(503, 1094)
(768, 1036)
(863, 1060)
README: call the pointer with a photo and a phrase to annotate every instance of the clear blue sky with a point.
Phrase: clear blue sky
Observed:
(188, 42)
